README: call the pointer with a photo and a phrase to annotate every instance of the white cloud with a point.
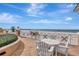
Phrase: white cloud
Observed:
(67, 5)
(8, 18)
(68, 19)
(12, 6)
(66, 8)
(70, 5)
(46, 21)
(35, 9)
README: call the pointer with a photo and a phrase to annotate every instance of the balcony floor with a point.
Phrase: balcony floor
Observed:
(28, 48)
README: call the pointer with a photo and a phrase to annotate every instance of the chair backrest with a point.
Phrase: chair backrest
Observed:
(65, 40)
(43, 49)
(42, 45)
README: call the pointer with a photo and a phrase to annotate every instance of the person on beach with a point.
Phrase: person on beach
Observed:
(18, 31)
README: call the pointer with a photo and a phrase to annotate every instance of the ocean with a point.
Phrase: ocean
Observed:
(55, 30)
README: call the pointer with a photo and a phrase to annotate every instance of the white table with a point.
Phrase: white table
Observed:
(51, 42)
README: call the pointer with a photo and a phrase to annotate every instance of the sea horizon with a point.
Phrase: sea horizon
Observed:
(55, 30)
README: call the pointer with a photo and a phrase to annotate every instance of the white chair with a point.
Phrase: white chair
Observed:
(44, 49)
(63, 46)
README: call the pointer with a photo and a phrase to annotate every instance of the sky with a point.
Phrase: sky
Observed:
(39, 15)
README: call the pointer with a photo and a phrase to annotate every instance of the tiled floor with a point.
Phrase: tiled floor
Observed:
(28, 48)
(74, 51)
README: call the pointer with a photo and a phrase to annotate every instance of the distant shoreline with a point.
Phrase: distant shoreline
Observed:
(55, 30)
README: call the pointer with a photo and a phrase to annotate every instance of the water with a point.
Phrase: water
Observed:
(61, 30)
(55, 30)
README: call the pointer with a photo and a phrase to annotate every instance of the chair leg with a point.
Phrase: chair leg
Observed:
(56, 51)
(66, 52)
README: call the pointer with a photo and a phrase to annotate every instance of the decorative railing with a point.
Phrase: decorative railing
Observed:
(74, 37)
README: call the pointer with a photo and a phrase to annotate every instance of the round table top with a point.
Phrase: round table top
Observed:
(51, 41)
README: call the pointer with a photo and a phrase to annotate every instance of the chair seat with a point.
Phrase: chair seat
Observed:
(63, 46)
(61, 50)
(51, 49)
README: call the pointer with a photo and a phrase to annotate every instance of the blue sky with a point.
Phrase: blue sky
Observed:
(39, 16)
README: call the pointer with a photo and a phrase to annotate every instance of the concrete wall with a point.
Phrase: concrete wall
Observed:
(9, 49)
